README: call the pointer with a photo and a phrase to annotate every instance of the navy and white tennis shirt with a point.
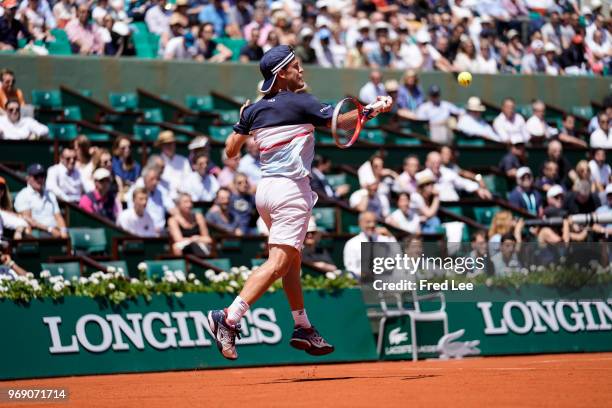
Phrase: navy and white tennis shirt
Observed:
(283, 128)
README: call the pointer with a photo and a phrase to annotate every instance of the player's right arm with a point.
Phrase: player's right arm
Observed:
(234, 143)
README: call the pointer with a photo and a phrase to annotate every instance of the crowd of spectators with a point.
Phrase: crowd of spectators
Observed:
(496, 36)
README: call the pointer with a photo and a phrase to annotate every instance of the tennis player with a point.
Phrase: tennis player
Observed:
(282, 124)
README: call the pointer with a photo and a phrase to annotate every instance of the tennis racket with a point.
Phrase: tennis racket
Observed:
(348, 119)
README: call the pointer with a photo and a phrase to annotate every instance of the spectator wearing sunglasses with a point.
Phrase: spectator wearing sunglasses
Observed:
(14, 127)
(64, 179)
(39, 206)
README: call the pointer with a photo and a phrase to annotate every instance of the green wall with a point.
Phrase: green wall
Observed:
(177, 79)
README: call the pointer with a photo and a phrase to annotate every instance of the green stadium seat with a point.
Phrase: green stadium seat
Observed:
(146, 133)
(47, 99)
(153, 115)
(220, 133)
(496, 184)
(462, 139)
(59, 48)
(60, 35)
(156, 269)
(203, 103)
(66, 269)
(234, 44)
(525, 110)
(323, 138)
(63, 131)
(373, 136)
(354, 229)
(99, 137)
(146, 50)
(72, 113)
(229, 116)
(123, 100)
(118, 265)
(22, 42)
(455, 209)
(484, 215)
(406, 141)
(89, 240)
(336, 180)
(221, 263)
(583, 111)
(140, 27)
(325, 218)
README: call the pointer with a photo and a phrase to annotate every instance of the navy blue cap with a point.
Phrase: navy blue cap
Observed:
(36, 169)
(434, 90)
(273, 61)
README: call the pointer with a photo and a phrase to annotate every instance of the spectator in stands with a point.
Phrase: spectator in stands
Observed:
(438, 112)
(313, 253)
(102, 201)
(123, 164)
(200, 184)
(38, 206)
(380, 55)
(605, 208)
(426, 201)
(466, 57)
(554, 202)
(406, 182)
(188, 230)
(10, 30)
(177, 167)
(251, 51)
(514, 159)
(369, 233)
(37, 15)
(318, 182)
(503, 223)
(329, 53)
(405, 217)
(14, 127)
(424, 56)
(567, 132)
(84, 158)
(304, 50)
(479, 251)
(103, 159)
(602, 136)
(534, 61)
(583, 172)
(524, 195)
(84, 37)
(410, 95)
(550, 59)
(156, 161)
(215, 13)
(101, 10)
(536, 125)
(8, 218)
(374, 170)
(137, 220)
(581, 200)
(207, 49)
(8, 90)
(448, 158)
(259, 20)
(157, 19)
(357, 57)
(220, 214)
(601, 173)
(554, 152)
(373, 89)
(549, 177)
(506, 261)
(509, 125)
(228, 172)
(64, 179)
(485, 62)
(64, 11)
(573, 58)
(180, 42)
(242, 204)
(370, 199)
(448, 182)
(472, 124)
(250, 164)
(159, 202)
(240, 15)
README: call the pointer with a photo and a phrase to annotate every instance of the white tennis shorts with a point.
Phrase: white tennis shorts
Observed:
(285, 206)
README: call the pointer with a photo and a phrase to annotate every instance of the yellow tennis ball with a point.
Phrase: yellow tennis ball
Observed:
(464, 79)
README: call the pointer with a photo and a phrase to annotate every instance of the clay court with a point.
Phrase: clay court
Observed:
(559, 380)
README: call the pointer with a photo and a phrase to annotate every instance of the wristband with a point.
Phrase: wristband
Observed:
(50, 230)
(63, 229)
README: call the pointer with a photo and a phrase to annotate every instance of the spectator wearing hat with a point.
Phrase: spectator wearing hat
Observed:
(550, 56)
(605, 208)
(84, 37)
(409, 95)
(136, 219)
(405, 217)
(250, 164)
(601, 173)
(472, 124)
(601, 138)
(510, 125)
(11, 28)
(15, 127)
(536, 125)
(64, 179)
(159, 203)
(8, 218)
(181, 41)
(426, 201)
(304, 50)
(177, 167)
(313, 253)
(448, 182)
(38, 206)
(8, 90)
(534, 62)
(555, 196)
(438, 112)
(251, 51)
(102, 200)
(200, 184)
(581, 200)
(215, 13)
(524, 195)
(369, 233)
(372, 89)
(124, 166)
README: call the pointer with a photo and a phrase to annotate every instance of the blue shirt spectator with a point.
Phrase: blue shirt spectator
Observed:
(214, 13)
(410, 95)
(220, 214)
(524, 195)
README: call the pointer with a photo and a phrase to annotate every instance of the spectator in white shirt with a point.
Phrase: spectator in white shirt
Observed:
(158, 19)
(485, 63)
(448, 182)
(177, 167)
(201, 185)
(14, 127)
(373, 89)
(159, 202)
(438, 113)
(600, 170)
(249, 163)
(405, 217)
(64, 179)
(602, 137)
(406, 182)
(509, 125)
(536, 125)
(369, 233)
(472, 124)
(38, 206)
(137, 220)
(370, 199)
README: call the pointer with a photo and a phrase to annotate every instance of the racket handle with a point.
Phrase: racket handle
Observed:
(376, 106)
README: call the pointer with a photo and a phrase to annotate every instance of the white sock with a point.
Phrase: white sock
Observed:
(301, 318)
(236, 310)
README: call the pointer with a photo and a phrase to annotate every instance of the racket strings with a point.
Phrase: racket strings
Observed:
(347, 123)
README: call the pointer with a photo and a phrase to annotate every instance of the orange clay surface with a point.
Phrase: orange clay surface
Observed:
(559, 380)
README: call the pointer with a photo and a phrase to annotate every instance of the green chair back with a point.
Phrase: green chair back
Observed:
(63, 131)
(123, 100)
(59, 48)
(199, 103)
(336, 180)
(90, 240)
(72, 113)
(66, 269)
(220, 133)
(146, 133)
(153, 115)
(325, 218)
(156, 269)
(221, 263)
(47, 99)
